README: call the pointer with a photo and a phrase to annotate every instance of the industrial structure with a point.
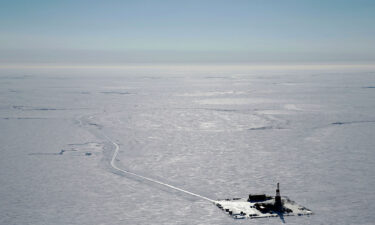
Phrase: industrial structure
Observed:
(262, 205)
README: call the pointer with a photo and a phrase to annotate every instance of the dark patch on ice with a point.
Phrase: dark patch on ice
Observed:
(46, 109)
(116, 92)
(261, 128)
(281, 216)
(353, 122)
(31, 108)
(85, 92)
(41, 153)
(86, 148)
(28, 108)
(62, 152)
(266, 128)
(23, 118)
(95, 125)
(59, 153)
(18, 107)
(369, 87)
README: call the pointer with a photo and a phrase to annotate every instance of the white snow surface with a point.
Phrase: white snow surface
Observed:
(140, 146)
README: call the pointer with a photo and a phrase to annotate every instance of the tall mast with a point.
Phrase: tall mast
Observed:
(278, 190)
(278, 203)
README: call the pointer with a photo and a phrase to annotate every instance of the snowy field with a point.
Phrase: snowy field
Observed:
(216, 133)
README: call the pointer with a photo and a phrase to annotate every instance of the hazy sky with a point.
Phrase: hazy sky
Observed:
(187, 31)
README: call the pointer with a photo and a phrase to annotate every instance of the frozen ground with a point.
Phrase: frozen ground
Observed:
(219, 134)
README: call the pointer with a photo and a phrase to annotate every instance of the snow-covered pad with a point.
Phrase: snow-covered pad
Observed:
(241, 208)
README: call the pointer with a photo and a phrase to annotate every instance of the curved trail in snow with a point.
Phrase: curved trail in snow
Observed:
(113, 165)
(147, 178)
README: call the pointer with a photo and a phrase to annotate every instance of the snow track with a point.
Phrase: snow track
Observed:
(115, 167)
(147, 178)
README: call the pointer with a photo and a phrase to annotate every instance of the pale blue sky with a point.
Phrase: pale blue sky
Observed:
(187, 31)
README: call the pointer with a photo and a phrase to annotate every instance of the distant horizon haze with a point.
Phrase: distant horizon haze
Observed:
(126, 32)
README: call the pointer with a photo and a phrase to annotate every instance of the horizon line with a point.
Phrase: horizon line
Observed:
(266, 66)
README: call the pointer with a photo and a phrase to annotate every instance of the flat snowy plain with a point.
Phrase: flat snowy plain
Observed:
(217, 133)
